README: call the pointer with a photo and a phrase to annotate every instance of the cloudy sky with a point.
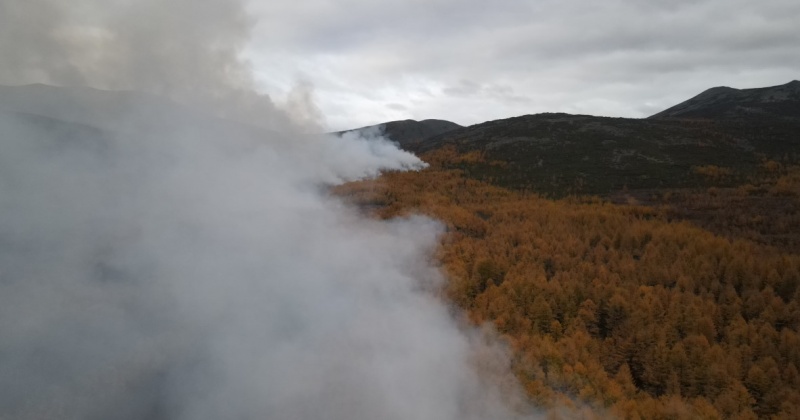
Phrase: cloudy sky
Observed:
(470, 61)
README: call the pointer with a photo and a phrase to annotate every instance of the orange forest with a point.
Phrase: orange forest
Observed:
(629, 310)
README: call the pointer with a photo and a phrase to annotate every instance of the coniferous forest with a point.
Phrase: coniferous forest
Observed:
(634, 307)
(394, 210)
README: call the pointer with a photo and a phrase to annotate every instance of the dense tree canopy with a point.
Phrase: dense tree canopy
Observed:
(609, 308)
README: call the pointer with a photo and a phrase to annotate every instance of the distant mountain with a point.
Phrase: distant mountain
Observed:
(558, 154)
(53, 134)
(726, 102)
(554, 154)
(99, 108)
(409, 133)
(121, 112)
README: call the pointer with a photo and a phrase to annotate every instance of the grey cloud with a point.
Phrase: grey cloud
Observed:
(559, 54)
(463, 88)
(468, 88)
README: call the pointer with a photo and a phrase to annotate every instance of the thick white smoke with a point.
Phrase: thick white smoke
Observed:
(203, 278)
(174, 266)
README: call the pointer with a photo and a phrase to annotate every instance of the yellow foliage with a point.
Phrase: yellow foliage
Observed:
(713, 172)
(612, 307)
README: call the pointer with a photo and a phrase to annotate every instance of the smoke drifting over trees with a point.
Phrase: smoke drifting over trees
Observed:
(194, 268)
(186, 50)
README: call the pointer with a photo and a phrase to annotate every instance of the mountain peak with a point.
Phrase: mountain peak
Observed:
(728, 102)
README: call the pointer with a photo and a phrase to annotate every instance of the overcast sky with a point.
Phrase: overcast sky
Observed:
(470, 61)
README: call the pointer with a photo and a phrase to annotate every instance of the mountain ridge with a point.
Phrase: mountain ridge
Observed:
(120, 111)
(550, 153)
(782, 101)
(408, 132)
(560, 154)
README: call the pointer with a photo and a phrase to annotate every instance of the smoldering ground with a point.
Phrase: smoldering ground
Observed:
(195, 268)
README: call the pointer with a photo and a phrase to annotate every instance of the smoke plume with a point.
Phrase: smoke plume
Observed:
(186, 50)
(191, 267)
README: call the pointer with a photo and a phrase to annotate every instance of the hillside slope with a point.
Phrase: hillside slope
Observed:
(781, 101)
(561, 154)
(409, 133)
